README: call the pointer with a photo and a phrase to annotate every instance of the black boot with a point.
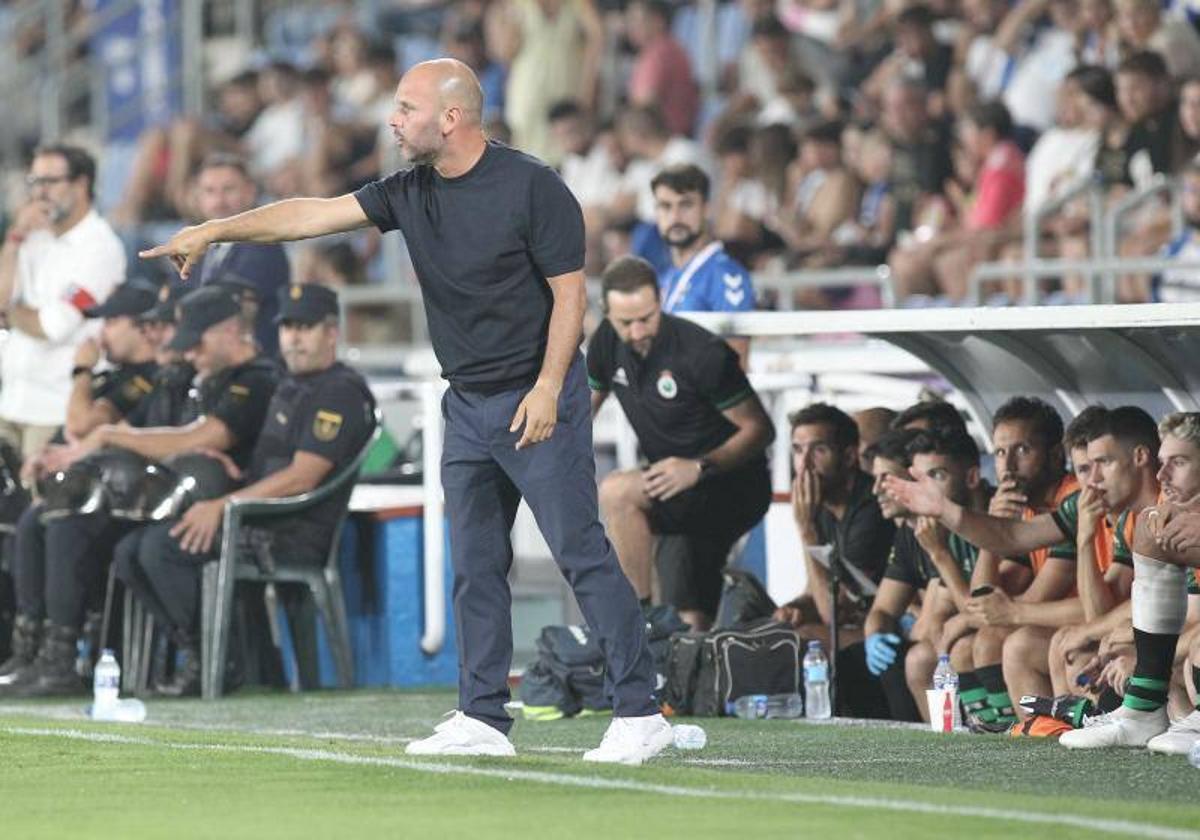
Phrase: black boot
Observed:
(26, 639)
(55, 665)
(186, 682)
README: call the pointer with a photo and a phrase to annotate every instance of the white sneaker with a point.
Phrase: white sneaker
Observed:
(462, 735)
(1121, 727)
(1180, 738)
(632, 740)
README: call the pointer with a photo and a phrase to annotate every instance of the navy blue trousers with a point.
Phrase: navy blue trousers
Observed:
(485, 477)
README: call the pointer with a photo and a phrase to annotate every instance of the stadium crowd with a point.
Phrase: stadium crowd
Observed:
(913, 134)
(916, 135)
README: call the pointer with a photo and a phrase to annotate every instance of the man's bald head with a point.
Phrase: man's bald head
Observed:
(455, 85)
(439, 111)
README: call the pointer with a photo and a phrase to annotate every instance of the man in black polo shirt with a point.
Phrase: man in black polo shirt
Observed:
(497, 242)
(702, 428)
(837, 515)
(228, 414)
(320, 417)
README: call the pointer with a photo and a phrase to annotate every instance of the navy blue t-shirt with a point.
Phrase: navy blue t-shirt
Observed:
(483, 245)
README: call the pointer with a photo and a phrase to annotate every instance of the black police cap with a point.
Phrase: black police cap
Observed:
(306, 303)
(199, 310)
(131, 298)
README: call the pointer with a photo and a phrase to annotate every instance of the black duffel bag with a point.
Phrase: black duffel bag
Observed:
(707, 672)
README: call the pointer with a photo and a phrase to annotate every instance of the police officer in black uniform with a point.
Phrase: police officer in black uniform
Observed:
(56, 571)
(320, 417)
(96, 398)
(701, 426)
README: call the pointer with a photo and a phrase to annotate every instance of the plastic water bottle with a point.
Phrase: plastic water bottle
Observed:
(816, 683)
(1194, 755)
(751, 706)
(689, 737)
(106, 685)
(785, 706)
(945, 678)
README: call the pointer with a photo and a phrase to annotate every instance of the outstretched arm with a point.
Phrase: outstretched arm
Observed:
(280, 221)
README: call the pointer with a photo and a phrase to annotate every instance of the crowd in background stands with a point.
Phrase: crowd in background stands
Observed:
(915, 134)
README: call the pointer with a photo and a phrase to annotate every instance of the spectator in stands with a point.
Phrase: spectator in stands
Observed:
(872, 424)
(1185, 144)
(59, 259)
(824, 194)
(703, 429)
(1065, 153)
(158, 186)
(703, 277)
(1142, 27)
(662, 72)
(1138, 146)
(224, 187)
(354, 85)
(1179, 285)
(340, 150)
(752, 186)
(1019, 63)
(838, 517)
(866, 238)
(464, 40)
(920, 150)
(918, 56)
(318, 419)
(990, 215)
(275, 142)
(588, 166)
(1099, 43)
(771, 60)
(649, 146)
(552, 49)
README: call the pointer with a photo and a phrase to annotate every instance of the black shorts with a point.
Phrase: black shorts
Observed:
(697, 529)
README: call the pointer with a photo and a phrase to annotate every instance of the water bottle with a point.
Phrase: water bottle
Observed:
(688, 736)
(785, 706)
(1194, 755)
(945, 678)
(816, 683)
(106, 685)
(751, 706)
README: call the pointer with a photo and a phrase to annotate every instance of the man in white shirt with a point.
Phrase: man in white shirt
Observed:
(59, 258)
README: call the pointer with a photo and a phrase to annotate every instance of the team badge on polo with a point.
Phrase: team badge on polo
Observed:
(667, 387)
(326, 425)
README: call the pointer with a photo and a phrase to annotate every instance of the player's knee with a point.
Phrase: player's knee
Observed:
(617, 491)
(962, 654)
(919, 661)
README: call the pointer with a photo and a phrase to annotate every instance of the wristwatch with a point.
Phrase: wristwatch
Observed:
(80, 369)
(707, 467)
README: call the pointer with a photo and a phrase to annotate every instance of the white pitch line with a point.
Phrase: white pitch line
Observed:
(1107, 826)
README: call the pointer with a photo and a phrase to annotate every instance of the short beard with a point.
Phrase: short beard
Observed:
(688, 242)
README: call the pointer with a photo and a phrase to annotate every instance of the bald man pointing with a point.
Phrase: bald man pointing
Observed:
(497, 241)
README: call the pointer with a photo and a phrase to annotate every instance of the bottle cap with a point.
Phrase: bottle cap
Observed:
(108, 652)
(814, 644)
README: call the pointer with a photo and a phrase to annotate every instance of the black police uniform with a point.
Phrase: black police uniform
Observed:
(57, 565)
(675, 398)
(329, 413)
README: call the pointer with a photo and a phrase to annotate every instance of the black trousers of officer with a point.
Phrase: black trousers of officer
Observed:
(60, 565)
(485, 477)
(164, 577)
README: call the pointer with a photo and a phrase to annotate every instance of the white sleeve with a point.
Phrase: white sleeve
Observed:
(100, 270)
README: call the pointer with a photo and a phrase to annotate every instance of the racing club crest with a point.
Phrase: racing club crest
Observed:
(667, 387)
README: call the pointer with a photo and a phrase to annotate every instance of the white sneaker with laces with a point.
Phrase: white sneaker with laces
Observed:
(632, 740)
(1180, 738)
(1121, 727)
(462, 735)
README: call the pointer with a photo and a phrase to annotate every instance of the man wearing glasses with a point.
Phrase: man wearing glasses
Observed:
(59, 259)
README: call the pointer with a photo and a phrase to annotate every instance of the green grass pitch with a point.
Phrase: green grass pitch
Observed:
(331, 764)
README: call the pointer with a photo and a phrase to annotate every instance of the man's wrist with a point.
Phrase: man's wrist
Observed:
(549, 383)
(81, 370)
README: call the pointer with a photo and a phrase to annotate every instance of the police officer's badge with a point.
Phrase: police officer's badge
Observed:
(296, 292)
(326, 425)
(667, 387)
